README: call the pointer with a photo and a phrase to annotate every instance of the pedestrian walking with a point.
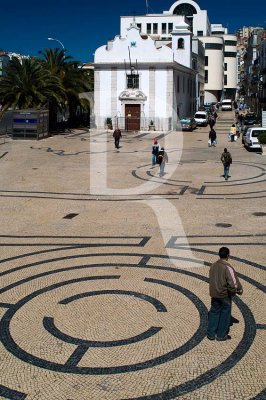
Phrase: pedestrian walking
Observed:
(223, 285)
(233, 132)
(117, 136)
(212, 137)
(211, 121)
(162, 159)
(241, 120)
(155, 151)
(226, 159)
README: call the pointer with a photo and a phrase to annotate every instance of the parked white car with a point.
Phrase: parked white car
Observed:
(201, 118)
(227, 105)
(251, 138)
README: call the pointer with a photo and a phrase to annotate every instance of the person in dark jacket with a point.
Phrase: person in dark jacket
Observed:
(223, 285)
(117, 136)
(162, 158)
(226, 159)
(155, 151)
(212, 121)
(212, 137)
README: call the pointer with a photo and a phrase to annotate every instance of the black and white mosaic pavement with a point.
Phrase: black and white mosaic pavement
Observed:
(63, 312)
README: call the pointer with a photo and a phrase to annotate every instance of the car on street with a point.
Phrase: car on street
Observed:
(227, 105)
(188, 124)
(251, 138)
(201, 118)
(250, 119)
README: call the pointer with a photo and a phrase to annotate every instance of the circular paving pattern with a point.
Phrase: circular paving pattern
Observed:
(131, 320)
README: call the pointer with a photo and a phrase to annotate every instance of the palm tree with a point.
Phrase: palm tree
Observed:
(74, 79)
(28, 84)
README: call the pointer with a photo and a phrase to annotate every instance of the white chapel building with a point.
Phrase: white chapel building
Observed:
(137, 82)
(162, 67)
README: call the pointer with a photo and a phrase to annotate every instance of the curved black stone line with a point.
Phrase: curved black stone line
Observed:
(70, 194)
(244, 179)
(261, 326)
(14, 349)
(134, 174)
(6, 305)
(218, 244)
(73, 237)
(173, 245)
(143, 242)
(221, 236)
(31, 278)
(66, 269)
(11, 394)
(171, 180)
(234, 194)
(209, 376)
(246, 278)
(4, 154)
(49, 325)
(76, 356)
(249, 164)
(260, 396)
(156, 303)
(70, 244)
(110, 199)
(22, 267)
(236, 184)
(230, 198)
(225, 366)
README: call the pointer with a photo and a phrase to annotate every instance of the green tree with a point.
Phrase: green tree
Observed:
(74, 79)
(28, 84)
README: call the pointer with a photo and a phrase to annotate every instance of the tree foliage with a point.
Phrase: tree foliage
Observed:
(54, 80)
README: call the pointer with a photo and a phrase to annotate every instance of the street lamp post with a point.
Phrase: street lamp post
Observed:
(63, 47)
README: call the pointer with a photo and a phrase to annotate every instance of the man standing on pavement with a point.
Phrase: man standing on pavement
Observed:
(226, 159)
(162, 159)
(155, 151)
(117, 136)
(223, 285)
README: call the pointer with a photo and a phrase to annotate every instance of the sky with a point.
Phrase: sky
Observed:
(83, 26)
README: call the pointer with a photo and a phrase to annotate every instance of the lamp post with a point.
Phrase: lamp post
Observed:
(63, 47)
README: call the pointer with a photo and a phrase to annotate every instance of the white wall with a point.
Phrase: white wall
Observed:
(160, 93)
(144, 51)
(149, 19)
(200, 20)
(215, 66)
(231, 62)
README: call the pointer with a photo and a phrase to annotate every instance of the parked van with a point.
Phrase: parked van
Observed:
(227, 105)
(201, 118)
(251, 138)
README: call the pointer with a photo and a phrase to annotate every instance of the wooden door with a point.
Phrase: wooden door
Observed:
(132, 115)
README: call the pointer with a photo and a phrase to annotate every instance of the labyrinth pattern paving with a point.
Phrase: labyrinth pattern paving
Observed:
(124, 323)
(104, 295)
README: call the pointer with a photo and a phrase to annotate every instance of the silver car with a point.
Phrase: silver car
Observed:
(251, 138)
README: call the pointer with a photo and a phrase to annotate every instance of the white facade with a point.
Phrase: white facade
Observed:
(223, 65)
(230, 62)
(166, 52)
(199, 18)
(165, 89)
(214, 67)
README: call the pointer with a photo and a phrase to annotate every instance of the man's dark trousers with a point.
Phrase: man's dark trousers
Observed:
(219, 317)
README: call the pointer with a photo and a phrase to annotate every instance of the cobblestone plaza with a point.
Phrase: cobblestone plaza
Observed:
(104, 294)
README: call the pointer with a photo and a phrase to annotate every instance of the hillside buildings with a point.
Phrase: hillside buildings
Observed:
(251, 55)
(5, 57)
(163, 67)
